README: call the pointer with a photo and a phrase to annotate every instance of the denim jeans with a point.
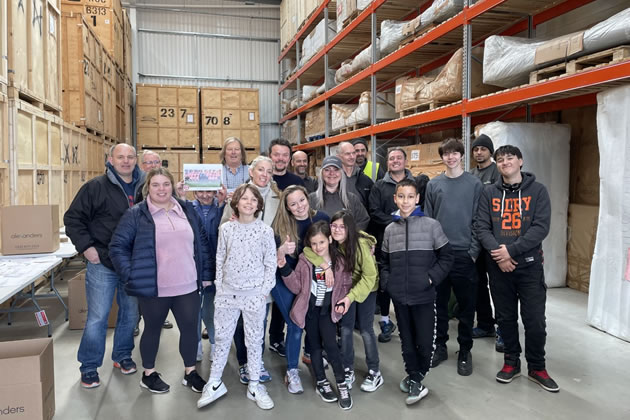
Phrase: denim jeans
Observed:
(100, 285)
(284, 299)
(363, 313)
(207, 311)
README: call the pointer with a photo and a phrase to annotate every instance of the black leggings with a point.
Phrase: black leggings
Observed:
(320, 330)
(185, 308)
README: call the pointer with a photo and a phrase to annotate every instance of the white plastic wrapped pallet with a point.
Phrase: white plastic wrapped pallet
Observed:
(362, 61)
(391, 35)
(347, 115)
(609, 292)
(441, 10)
(507, 61)
(314, 42)
(546, 154)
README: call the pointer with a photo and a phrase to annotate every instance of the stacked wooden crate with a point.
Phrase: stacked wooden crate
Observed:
(75, 160)
(106, 20)
(229, 113)
(35, 150)
(167, 116)
(34, 52)
(82, 74)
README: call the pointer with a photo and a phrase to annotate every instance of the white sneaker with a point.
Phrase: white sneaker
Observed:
(349, 377)
(373, 380)
(293, 381)
(200, 351)
(258, 393)
(211, 392)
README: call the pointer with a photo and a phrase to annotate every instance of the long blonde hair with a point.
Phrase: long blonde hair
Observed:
(284, 223)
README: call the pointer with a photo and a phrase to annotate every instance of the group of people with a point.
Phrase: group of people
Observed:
(321, 256)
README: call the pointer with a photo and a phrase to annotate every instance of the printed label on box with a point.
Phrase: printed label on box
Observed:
(252, 116)
(415, 155)
(190, 118)
(41, 317)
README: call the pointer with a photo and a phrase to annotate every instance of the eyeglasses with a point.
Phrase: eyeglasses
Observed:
(151, 162)
(337, 227)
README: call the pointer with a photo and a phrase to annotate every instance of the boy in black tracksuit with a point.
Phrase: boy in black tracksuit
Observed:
(416, 257)
(512, 221)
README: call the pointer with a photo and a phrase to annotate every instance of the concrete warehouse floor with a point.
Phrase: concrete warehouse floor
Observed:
(591, 367)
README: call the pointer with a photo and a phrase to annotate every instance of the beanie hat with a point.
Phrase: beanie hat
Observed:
(484, 141)
(331, 161)
(360, 140)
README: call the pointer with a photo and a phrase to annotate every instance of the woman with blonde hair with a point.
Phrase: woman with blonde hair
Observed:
(160, 252)
(234, 159)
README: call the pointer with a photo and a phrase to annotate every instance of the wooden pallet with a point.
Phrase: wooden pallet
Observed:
(161, 147)
(601, 58)
(427, 106)
(416, 35)
(29, 97)
(352, 127)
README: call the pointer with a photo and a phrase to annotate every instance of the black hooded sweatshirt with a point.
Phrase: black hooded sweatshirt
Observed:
(516, 217)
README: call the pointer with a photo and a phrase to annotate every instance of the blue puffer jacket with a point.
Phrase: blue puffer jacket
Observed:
(132, 249)
(211, 226)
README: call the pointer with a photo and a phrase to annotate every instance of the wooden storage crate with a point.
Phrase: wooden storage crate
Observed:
(35, 144)
(82, 78)
(105, 18)
(212, 155)
(75, 161)
(174, 160)
(109, 97)
(167, 116)
(127, 57)
(95, 155)
(3, 42)
(34, 52)
(229, 113)
(123, 116)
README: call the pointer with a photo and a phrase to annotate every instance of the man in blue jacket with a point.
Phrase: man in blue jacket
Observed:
(90, 222)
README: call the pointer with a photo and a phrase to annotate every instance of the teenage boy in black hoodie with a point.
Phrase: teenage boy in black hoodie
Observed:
(417, 256)
(512, 221)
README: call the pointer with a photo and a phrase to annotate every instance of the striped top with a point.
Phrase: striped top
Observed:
(318, 286)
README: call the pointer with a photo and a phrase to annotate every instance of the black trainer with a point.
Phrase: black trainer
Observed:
(324, 389)
(387, 328)
(417, 391)
(194, 381)
(154, 383)
(464, 363)
(440, 355)
(508, 373)
(542, 378)
(345, 399)
(278, 348)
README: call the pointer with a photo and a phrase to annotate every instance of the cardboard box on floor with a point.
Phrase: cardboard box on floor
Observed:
(77, 304)
(27, 382)
(582, 223)
(30, 229)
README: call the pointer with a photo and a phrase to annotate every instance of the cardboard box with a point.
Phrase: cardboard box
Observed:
(423, 155)
(77, 304)
(27, 382)
(582, 223)
(559, 48)
(30, 229)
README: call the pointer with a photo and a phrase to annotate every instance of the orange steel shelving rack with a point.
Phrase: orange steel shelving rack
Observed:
(468, 28)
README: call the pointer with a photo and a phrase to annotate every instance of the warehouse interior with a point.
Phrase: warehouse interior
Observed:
(179, 77)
